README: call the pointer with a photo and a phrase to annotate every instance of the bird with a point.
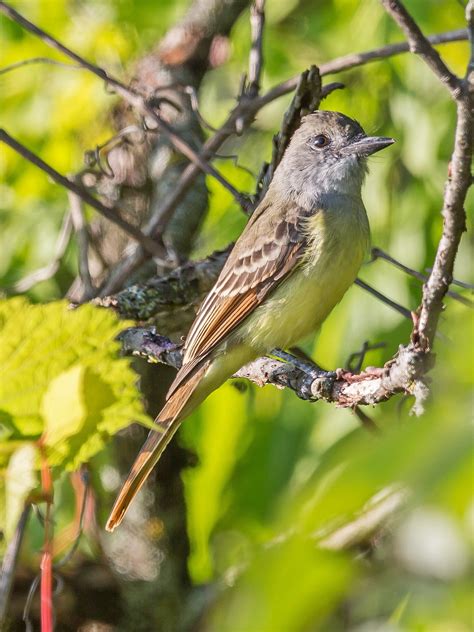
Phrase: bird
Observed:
(297, 256)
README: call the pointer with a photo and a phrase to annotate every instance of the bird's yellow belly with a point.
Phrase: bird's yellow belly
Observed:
(300, 304)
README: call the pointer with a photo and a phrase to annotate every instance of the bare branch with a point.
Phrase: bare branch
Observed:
(360, 355)
(454, 224)
(111, 213)
(147, 344)
(421, 46)
(171, 301)
(463, 284)
(365, 420)
(460, 179)
(38, 60)
(470, 30)
(360, 59)
(84, 491)
(402, 374)
(370, 521)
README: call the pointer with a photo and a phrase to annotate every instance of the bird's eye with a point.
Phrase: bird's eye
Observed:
(320, 141)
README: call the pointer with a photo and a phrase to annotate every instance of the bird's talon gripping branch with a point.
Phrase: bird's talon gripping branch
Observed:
(322, 385)
(147, 344)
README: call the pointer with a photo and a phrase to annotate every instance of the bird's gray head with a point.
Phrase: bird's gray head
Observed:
(328, 154)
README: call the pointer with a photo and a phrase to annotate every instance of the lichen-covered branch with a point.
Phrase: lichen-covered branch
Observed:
(402, 374)
(171, 301)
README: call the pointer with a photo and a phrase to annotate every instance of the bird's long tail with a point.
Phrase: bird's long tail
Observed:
(168, 421)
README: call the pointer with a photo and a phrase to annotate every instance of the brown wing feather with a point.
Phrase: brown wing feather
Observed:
(247, 278)
(167, 423)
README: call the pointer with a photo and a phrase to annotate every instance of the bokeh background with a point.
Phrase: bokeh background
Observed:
(260, 477)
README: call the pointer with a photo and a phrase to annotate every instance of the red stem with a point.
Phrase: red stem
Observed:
(47, 557)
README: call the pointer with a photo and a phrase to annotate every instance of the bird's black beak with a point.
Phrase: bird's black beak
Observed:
(368, 145)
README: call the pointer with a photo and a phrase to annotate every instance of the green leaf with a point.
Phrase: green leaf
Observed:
(61, 378)
(63, 408)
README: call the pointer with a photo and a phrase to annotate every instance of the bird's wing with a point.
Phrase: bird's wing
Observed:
(273, 250)
(270, 248)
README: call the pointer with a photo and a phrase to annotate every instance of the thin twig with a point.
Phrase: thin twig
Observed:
(112, 213)
(470, 30)
(132, 97)
(360, 355)
(28, 603)
(454, 224)
(49, 270)
(368, 423)
(378, 253)
(420, 45)
(463, 284)
(38, 60)
(80, 527)
(370, 521)
(359, 59)
(93, 157)
(194, 101)
(9, 563)
(381, 297)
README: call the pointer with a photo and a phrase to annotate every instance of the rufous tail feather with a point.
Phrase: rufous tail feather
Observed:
(167, 422)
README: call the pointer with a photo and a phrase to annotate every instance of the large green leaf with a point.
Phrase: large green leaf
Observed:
(61, 378)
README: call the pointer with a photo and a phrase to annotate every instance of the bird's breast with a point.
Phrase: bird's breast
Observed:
(337, 243)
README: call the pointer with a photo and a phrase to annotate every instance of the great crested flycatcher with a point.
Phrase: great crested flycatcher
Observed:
(299, 253)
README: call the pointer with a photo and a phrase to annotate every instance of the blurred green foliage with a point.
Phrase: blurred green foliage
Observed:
(275, 473)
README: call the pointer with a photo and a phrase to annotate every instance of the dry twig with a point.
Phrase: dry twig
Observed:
(346, 389)
(257, 22)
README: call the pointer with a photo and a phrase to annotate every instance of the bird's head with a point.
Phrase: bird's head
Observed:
(329, 152)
